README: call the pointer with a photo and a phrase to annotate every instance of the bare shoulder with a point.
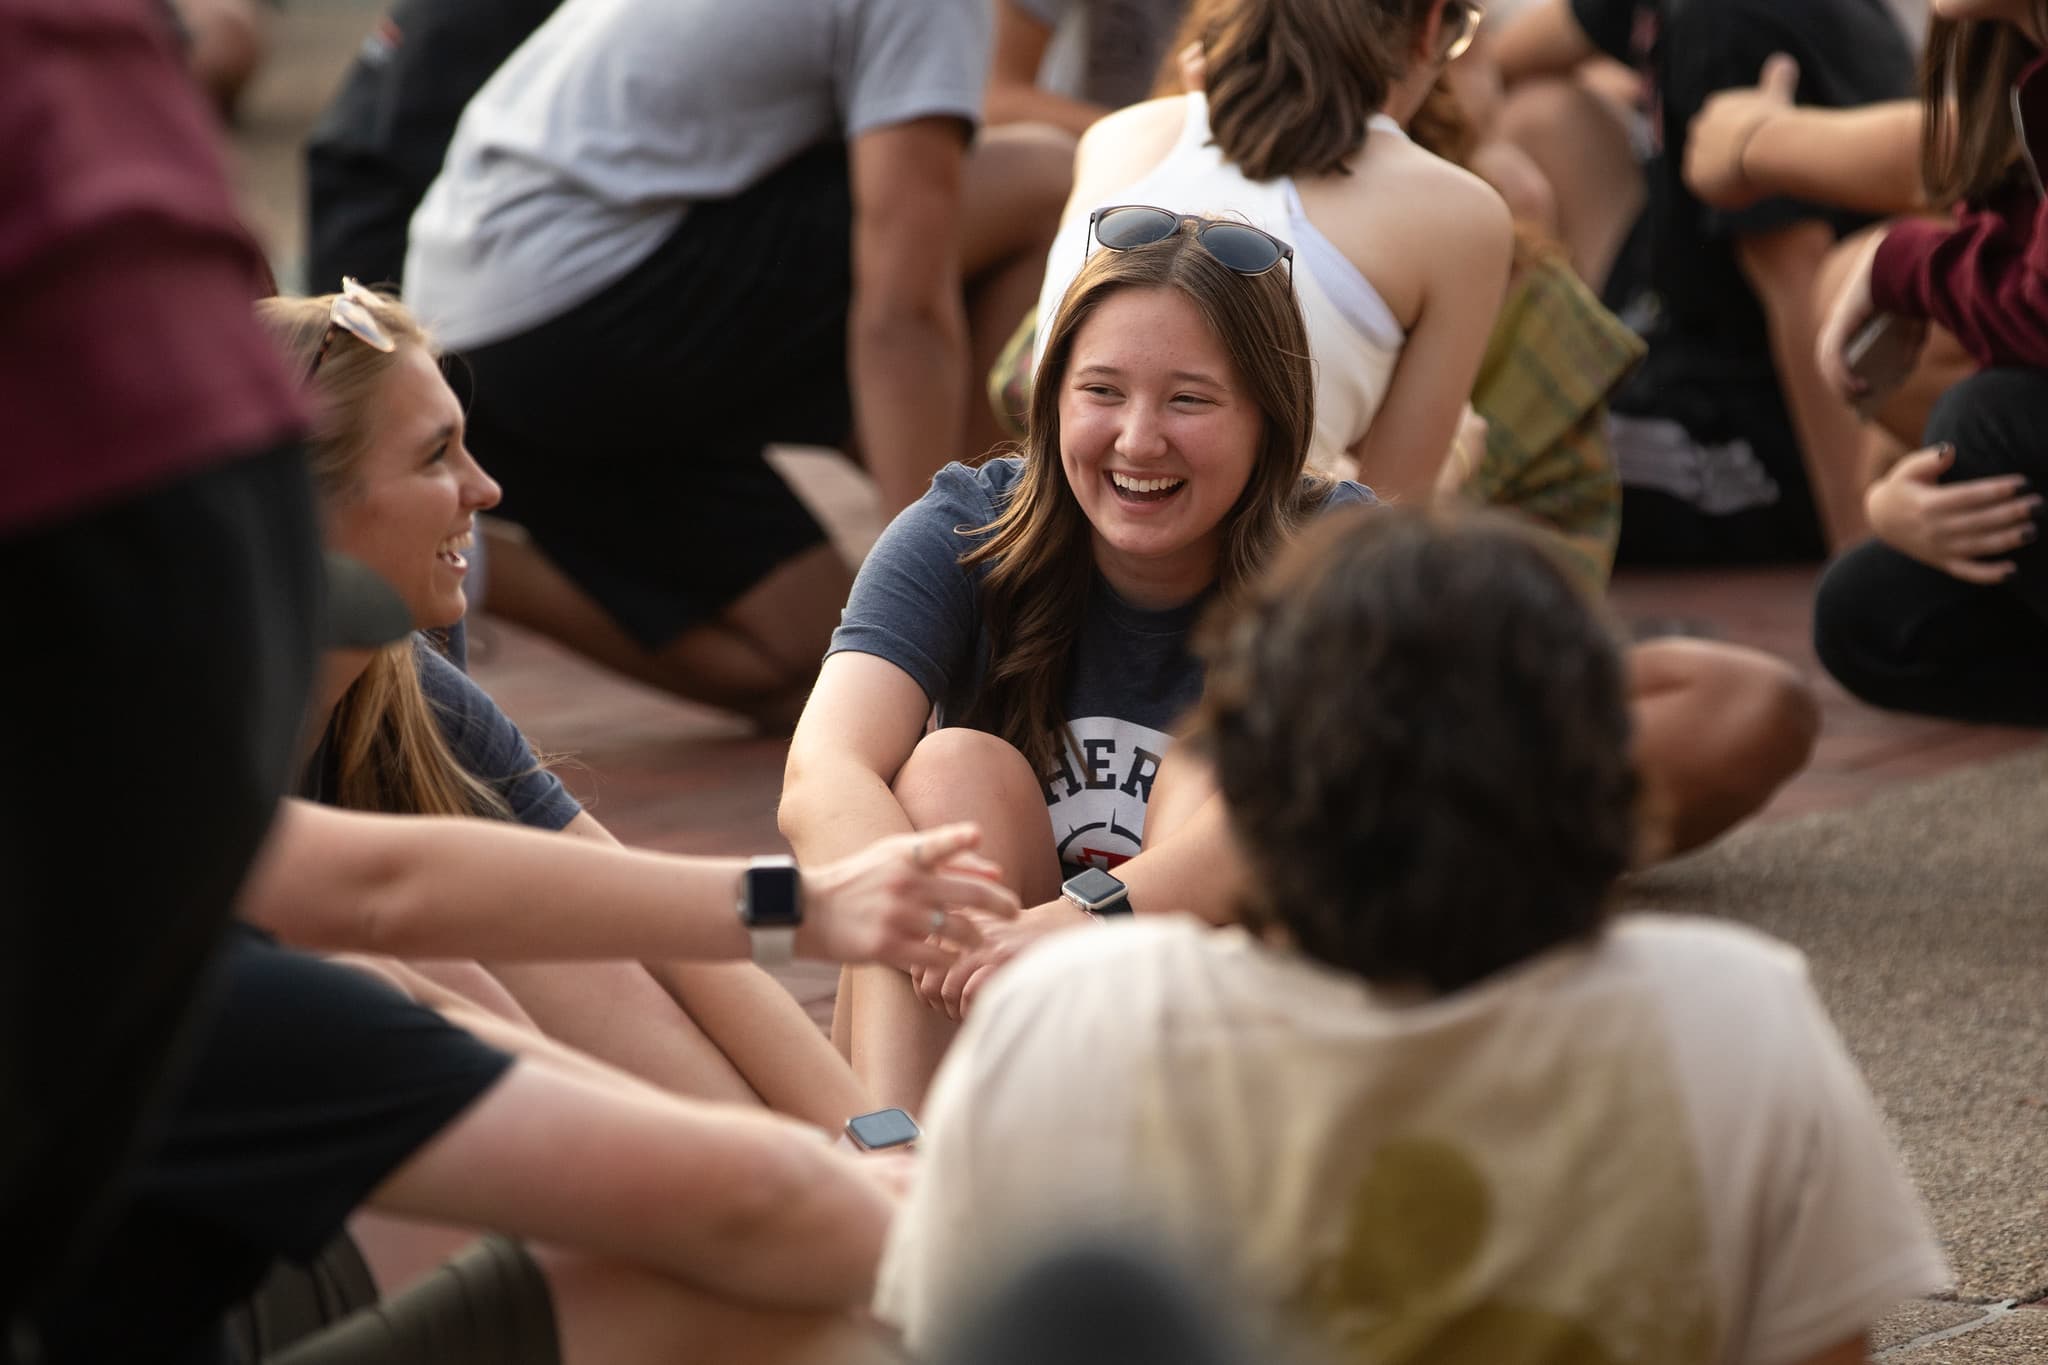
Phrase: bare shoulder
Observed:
(1444, 200)
(1122, 146)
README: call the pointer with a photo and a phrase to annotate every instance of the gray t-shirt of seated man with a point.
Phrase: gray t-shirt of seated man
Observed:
(1133, 677)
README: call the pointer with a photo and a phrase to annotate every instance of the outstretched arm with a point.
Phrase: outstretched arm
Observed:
(732, 1201)
(422, 886)
(1014, 94)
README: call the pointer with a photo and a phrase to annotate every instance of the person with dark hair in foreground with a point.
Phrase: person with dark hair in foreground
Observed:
(1427, 1103)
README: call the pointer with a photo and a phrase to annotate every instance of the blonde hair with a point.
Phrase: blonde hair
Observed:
(389, 753)
(1038, 552)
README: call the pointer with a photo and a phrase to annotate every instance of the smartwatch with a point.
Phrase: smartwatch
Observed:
(1097, 892)
(771, 906)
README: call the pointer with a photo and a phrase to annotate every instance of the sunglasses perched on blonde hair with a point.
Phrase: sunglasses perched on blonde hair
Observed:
(353, 312)
(1236, 246)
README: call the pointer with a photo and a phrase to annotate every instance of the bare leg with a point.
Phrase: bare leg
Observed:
(618, 1013)
(768, 1038)
(896, 1039)
(1015, 184)
(758, 658)
(1580, 145)
(1718, 728)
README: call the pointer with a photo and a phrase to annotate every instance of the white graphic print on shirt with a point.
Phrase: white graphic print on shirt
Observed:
(1097, 791)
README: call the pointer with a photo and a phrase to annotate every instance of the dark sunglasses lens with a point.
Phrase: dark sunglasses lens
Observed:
(1243, 249)
(1122, 229)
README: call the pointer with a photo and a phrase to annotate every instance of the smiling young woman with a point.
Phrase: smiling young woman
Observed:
(402, 730)
(1039, 608)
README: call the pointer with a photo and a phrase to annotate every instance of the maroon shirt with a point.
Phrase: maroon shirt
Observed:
(1983, 276)
(128, 351)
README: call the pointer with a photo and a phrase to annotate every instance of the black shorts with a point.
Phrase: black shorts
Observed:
(628, 432)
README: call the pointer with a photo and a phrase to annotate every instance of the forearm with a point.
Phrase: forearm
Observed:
(1017, 102)
(833, 806)
(1782, 270)
(425, 886)
(768, 1038)
(1544, 40)
(909, 373)
(1865, 159)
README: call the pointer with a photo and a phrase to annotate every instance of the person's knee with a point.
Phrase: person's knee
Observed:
(1519, 181)
(952, 766)
(1720, 729)
(1845, 620)
(1993, 420)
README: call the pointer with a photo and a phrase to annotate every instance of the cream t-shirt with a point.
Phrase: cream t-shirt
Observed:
(1651, 1149)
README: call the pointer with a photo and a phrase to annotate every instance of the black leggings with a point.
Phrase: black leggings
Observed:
(1908, 637)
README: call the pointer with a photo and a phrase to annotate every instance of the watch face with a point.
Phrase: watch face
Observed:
(883, 1128)
(771, 899)
(1092, 886)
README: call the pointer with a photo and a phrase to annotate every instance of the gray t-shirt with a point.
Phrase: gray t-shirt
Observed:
(584, 150)
(1133, 677)
(1118, 49)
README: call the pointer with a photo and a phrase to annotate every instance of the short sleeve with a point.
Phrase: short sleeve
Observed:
(310, 1084)
(1349, 493)
(1846, 1235)
(1046, 12)
(487, 743)
(913, 603)
(911, 59)
(1609, 25)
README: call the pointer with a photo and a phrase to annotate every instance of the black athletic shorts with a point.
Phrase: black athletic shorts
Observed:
(628, 432)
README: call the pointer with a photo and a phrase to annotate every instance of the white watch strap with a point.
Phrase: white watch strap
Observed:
(774, 947)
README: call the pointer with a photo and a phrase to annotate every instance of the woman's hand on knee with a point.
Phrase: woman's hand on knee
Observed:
(1959, 527)
(900, 901)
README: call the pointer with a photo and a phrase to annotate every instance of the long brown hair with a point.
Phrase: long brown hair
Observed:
(1039, 554)
(1969, 146)
(1293, 84)
(388, 749)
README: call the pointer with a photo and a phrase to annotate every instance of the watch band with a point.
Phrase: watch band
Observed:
(773, 947)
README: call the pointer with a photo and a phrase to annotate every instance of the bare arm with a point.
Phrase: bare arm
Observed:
(1014, 94)
(1403, 452)
(864, 717)
(735, 1202)
(907, 330)
(1543, 40)
(1782, 267)
(1747, 145)
(424, 886)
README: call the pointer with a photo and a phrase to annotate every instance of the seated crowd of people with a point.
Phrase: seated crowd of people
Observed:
(1214, 781)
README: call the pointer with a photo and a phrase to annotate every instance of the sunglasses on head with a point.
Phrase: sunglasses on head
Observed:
(1461, 26)
(1237, 246)
(352, 311)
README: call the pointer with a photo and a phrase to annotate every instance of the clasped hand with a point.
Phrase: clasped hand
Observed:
(905, 901)
(951, 987)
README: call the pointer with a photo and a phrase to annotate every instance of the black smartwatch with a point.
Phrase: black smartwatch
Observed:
(772, 906)
(1097, 892)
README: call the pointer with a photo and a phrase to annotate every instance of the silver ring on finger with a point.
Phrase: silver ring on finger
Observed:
(938, 920)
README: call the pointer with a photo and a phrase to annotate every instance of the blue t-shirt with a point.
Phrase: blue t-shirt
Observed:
(1132, 677)
(484, 741)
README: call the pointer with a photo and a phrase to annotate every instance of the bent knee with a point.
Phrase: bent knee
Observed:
(948, 764)
(1726, 716)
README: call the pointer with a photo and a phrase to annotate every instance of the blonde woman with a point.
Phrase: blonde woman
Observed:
(405, 732)
(1039, 606)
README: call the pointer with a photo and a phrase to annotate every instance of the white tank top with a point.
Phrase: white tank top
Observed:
(1353, 336)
